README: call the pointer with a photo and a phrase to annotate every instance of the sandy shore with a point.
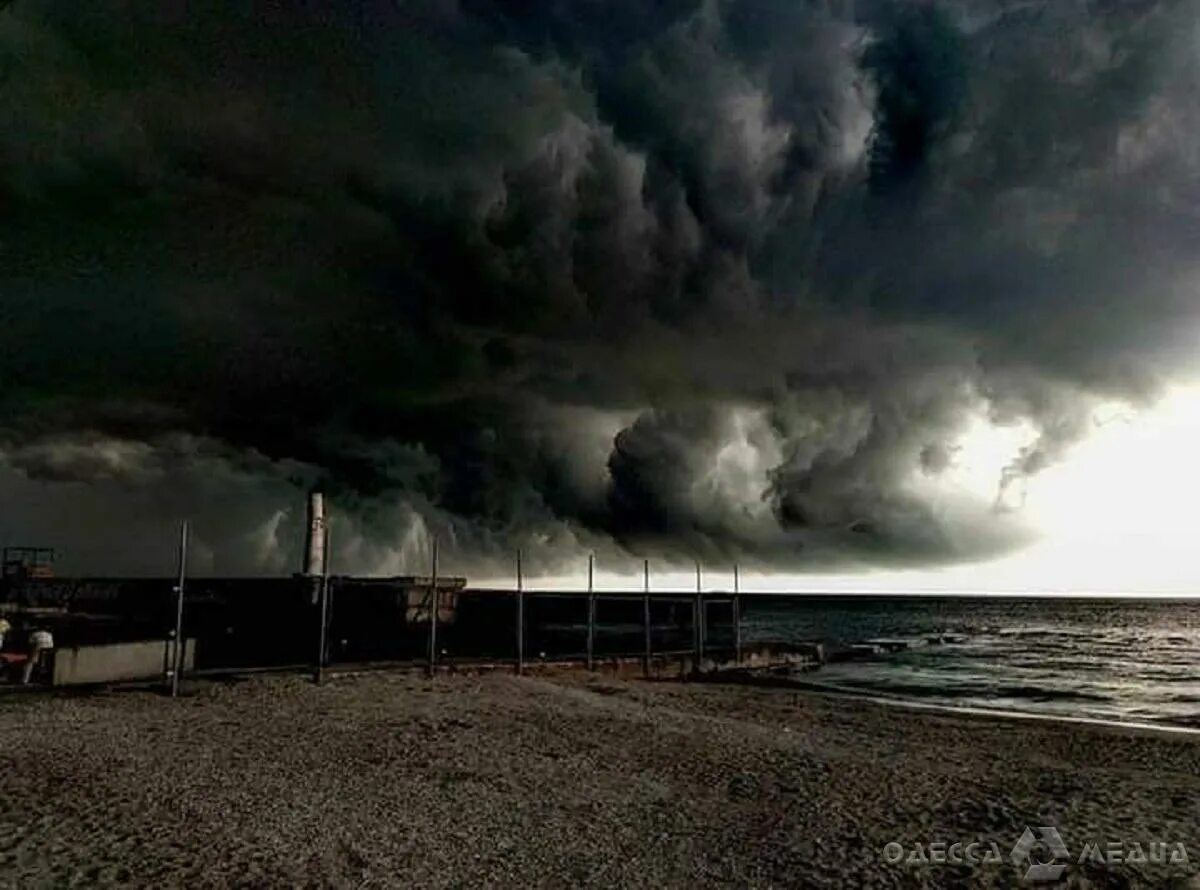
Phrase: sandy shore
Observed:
(395, 780)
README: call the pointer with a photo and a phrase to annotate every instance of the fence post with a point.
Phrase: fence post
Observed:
(323, 632)
(737, 616)
(520, 617)
(433, 608)
(591, 612)
(177, 667)
(699, 620)
(646, 615)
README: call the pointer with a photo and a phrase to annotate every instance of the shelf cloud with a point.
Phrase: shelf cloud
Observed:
(687, 280)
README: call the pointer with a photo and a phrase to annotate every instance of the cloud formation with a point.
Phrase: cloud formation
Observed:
(695, 279)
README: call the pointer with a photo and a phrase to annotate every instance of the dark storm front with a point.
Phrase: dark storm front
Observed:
(1129, 660)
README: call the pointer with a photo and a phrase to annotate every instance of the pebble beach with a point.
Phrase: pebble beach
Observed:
(564, 780)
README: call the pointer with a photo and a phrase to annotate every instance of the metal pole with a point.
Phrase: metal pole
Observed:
(699, 620)
(591, 612)
(177, 667)
(737, 616)
(322, 635)
(433, 609)
(646, 615)
(520, 617)
(695, 635)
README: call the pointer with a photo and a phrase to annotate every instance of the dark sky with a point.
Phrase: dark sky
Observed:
(678, 279)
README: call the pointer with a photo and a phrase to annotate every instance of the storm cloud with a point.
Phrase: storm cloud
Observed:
(716, 280)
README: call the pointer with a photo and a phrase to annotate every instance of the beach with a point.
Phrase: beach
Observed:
(568, 779)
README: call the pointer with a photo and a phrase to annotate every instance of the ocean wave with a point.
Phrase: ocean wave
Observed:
(1060, 657)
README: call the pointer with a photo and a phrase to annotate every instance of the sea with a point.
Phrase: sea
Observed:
(1123, 660)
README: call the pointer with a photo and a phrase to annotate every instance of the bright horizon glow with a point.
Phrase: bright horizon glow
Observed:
(1116, 517)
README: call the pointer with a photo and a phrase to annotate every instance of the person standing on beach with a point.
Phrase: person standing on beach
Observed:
(40, 642)
(5, 627)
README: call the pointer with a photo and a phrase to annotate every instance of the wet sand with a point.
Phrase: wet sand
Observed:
(399, 781)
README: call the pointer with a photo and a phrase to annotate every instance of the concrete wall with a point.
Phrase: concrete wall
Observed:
(108, 664)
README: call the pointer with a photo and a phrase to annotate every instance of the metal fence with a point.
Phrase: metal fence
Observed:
(315, 623)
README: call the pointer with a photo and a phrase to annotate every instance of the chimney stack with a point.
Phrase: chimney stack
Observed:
(314, 539)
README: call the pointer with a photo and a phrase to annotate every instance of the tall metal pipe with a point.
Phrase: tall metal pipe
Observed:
(177, 667)
(520, 617)
(322, 644)
(591, 612)
(737, 616)
(646, 615)
(434, 601)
